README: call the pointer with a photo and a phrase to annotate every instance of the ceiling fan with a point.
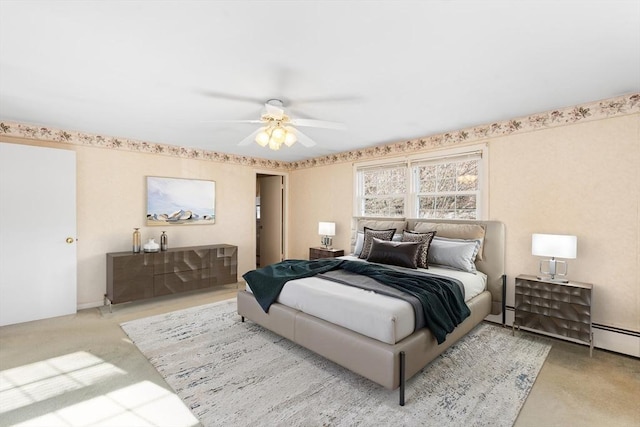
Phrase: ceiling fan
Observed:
(279, 129)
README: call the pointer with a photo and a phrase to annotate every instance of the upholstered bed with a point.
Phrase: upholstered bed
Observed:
(391, 356)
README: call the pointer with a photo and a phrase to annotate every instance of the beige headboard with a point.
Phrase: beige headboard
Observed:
(493, 258)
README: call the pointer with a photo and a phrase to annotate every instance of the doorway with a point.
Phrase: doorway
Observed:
(269, 219)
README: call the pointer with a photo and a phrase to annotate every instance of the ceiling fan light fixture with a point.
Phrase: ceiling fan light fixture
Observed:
(277, 129)
(290, 138)
(274, 145)
(279, 134)
(263, 137)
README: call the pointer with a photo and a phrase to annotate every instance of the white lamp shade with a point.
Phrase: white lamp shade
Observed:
(290, 138)
(554, 245)
(327, 228)
(262, 137)
(278, 134)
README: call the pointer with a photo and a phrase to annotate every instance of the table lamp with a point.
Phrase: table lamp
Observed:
(554, 246)
(326, 230)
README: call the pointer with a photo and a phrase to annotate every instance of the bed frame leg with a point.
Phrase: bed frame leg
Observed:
(402, 380)
(242, 319)
(504, 300)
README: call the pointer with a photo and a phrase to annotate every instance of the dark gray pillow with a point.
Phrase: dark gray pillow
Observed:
(425, 241)
(394, 253)
(369, 234)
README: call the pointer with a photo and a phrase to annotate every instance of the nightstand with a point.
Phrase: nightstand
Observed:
(562, 310)
(321, 252)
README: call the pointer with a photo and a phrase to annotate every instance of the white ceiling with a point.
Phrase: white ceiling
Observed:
(165, 71)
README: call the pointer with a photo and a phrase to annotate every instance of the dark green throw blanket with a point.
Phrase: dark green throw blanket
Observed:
(267, 282)
(441, 298)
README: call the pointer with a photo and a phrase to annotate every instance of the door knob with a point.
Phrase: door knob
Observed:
(69, 240)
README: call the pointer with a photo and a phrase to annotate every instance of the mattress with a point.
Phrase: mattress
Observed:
(380, 317)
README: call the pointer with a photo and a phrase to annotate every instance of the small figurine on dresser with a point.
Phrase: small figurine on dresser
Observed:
(163, 241)
(136, 240)
(151, 246)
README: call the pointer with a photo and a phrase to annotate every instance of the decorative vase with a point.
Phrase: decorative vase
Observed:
(151, 246)
(163, 242)
(136, 241)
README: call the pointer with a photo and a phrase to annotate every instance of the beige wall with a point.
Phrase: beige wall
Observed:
(111, 201)
(319, 194)
(580, 179)
(583, 180)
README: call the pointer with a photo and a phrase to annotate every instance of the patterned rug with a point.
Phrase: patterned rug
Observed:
(235, 374)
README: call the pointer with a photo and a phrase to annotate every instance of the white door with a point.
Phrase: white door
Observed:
(37, 233)
(271, 219)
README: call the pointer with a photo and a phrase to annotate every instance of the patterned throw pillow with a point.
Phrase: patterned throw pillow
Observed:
(369, 234)
(425, 239)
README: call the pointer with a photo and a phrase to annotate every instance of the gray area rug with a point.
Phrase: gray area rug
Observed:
(236, 374)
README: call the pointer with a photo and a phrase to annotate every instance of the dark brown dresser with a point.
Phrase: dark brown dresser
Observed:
(132, 277)
(562, 310)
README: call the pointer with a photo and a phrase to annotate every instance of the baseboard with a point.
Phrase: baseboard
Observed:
(90, 305)
(494, 318)
(605, 337)
(616, 339)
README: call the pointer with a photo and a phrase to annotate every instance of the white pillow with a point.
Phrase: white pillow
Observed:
(454, 253)
(359, 243)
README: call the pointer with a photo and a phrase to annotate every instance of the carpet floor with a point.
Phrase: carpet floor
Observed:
(236, 374)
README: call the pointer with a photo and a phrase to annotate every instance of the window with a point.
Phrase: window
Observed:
(382, 190)
(447, 188)
(445, 185)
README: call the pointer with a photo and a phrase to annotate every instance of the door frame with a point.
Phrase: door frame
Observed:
(285, 207)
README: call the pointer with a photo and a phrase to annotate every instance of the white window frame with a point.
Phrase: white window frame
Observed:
(380, 165)
(411, 198)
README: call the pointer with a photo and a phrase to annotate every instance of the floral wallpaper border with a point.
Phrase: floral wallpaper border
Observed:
(619, 106)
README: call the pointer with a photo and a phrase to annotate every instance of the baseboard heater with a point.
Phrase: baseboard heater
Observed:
(610, 338)
(616, 330)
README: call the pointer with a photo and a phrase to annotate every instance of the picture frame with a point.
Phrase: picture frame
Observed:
(180, 201)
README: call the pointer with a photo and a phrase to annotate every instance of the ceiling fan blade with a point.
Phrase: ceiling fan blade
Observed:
(229, 96)
(233, 121)
(251, 138)
(318, 124)
(302, 138)
(327, 99)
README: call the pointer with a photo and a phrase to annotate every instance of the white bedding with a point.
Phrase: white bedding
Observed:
(381, 317)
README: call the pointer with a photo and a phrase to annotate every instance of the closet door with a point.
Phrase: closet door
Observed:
(37, 233)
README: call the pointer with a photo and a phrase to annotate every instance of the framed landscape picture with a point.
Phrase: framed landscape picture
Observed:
(177, 201)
